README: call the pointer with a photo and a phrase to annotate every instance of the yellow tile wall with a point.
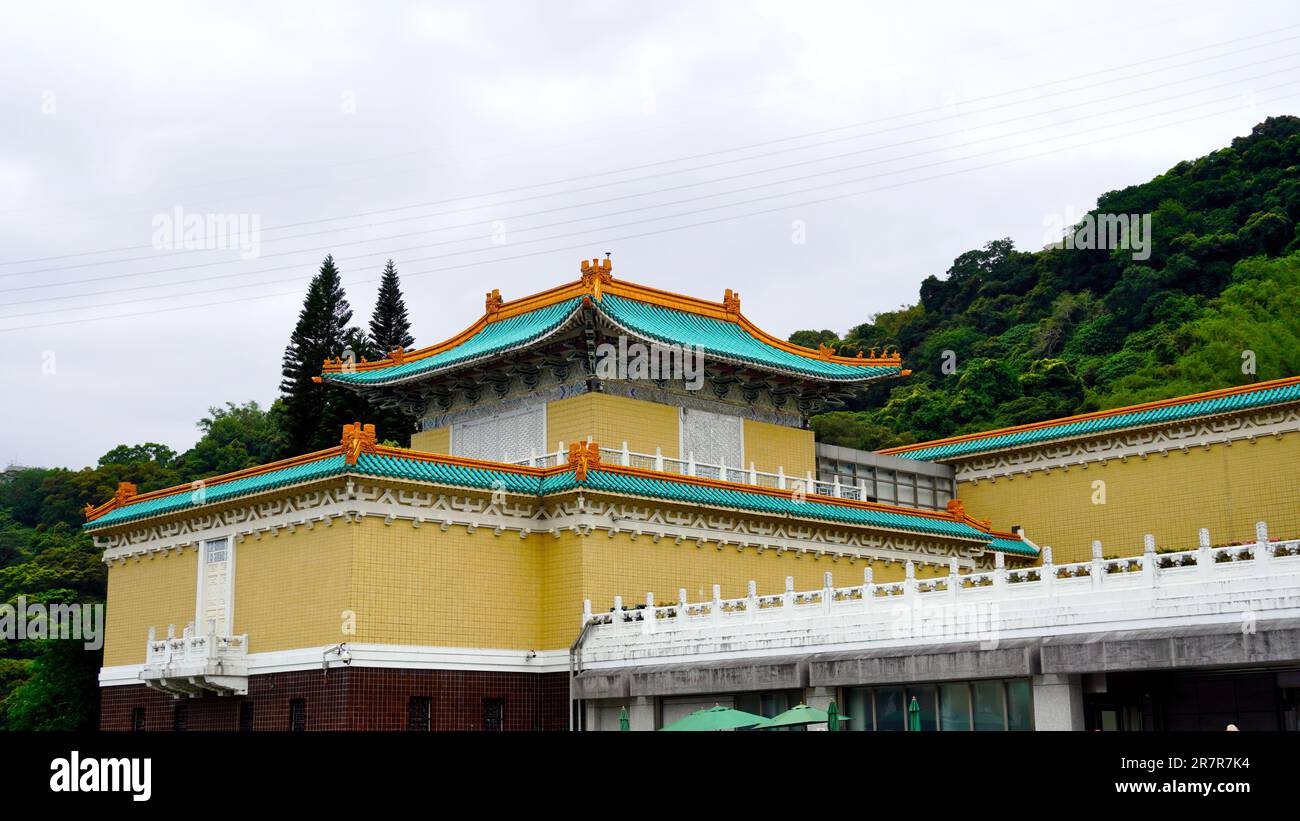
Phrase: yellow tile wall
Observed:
(1226, 488)
(291, 590)
(437, 440)
(421, 586)
(155, 591)
(771, 446)
(612, 420)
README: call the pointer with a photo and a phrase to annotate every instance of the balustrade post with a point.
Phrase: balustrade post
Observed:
(722, 468)
(787, 599)
(751, 600)
(953, 579)
(868, 585)
(625, 458)
(1149, 559)
(1048, 573)
(1204, 562)
(1000, 572)
(659, 459)
(1097, 570)
(648, 625)
(690, 463)
(681, 605)
(1263, 548)
(586, 611)
(716, 612)
(780, 477)
(753, 474)
(617, 621)
(828, 590)
(835, 487)
(909, 580)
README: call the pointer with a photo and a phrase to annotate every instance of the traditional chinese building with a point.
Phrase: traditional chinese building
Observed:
(576, 448)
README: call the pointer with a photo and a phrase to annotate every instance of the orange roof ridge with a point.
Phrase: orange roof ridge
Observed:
(1083, 417)
(596, 281)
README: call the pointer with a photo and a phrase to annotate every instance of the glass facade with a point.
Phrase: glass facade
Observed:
(991, 704)
(895, 486)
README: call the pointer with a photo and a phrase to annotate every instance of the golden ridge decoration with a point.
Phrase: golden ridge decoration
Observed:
(596, 273)
(357, 439)
(583, 455)
(493, 302)
(731, 301)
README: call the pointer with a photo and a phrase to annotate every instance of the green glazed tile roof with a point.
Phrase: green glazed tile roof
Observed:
(485, 478)
(306, 472)
(495, 337)
(995, 440)
(727, 340)
(741, 499)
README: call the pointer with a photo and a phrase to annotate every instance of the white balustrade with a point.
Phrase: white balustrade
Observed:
(1201, 585)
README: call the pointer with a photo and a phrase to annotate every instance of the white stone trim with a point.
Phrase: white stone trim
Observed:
(395, 656)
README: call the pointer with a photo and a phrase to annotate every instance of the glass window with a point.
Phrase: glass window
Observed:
(137, 719)
(926, 698)
(1019, 705)
(890, 713)
(954, 706)
(217, 549)
(494, 714)
(906, 493)
(246, 716)
(297, 715)
(989, 706)
(419, 710)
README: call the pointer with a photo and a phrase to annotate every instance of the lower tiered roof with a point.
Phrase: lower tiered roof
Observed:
(1177, 409)
(358, 455)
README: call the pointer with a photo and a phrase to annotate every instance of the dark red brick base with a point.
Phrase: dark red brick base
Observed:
(353, 698)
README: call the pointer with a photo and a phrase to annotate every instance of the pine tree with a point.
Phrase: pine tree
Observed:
(389, 326)
(319, 335)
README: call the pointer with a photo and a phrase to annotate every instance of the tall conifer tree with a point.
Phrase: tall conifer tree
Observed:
(390, 328)
(319, 335)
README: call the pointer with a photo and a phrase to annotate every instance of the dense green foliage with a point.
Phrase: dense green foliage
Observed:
(1044, 334)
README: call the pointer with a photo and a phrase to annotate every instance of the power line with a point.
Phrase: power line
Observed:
(749, 146)
(638, 209)
(656, 232)
(661, 175)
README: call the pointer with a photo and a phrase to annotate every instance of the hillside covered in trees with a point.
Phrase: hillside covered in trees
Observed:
(1035, 335)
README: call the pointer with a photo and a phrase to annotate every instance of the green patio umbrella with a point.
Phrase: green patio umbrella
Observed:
(914, 715)
(796, 716)
(833, 717)
(623, 724)
(716, 717)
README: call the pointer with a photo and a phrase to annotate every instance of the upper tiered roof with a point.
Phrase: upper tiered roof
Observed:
(641, 312)
(1177, 409)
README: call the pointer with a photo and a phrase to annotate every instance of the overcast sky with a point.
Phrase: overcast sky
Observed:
(820, 159)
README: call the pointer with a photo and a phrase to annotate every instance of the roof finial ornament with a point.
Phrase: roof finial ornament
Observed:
(824, 351)
(357, 439)
(493, 302)
(397, 355)
(595, 273)
(731, 302)
(583, 455)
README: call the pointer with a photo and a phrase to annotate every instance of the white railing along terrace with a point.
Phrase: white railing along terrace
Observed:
(806, 484)
(193, 651)
(1190, 586)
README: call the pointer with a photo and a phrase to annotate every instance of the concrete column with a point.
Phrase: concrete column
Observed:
(640, 714)
(1058, 702)
(819, 697)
